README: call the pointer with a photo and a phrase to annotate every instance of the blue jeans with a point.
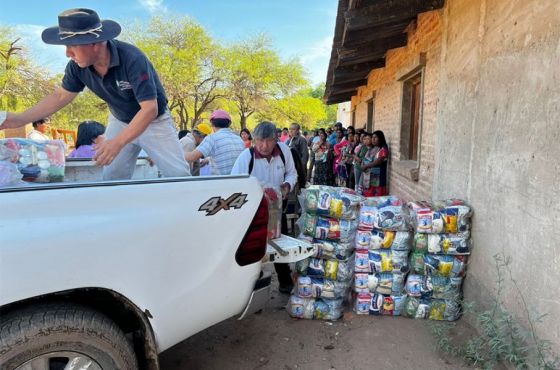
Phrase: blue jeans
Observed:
(159, 141)
(357, 177)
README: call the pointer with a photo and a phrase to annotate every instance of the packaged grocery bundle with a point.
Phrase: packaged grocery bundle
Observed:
(315, 309)
(442, 243)
(438, 264)
(312, 287)
(324, 228)
(338, 270)
(339, 203)
(31, 161)
(438, 287)
(433, 309)
(274, 198)
(326, 249)
(433, 297)
(383, 239)
(385, 213)
(450, 216)
(378, 261)
(379, 304)
(321, 287)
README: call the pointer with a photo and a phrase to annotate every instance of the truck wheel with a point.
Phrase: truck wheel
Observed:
(63, 336)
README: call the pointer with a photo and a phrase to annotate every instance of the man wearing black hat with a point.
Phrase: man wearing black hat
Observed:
(121, 75)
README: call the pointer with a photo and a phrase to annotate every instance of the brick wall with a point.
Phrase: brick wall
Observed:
(424, 37)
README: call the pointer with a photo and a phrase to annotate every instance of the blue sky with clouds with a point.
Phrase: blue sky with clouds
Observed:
(302, 29)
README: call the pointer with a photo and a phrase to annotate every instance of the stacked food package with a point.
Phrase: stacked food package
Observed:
(438, 260)
(31, 161)
(329, 220)
(383, 241)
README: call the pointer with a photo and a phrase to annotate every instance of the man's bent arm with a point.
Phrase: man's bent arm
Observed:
(50, 104)
(109, 149)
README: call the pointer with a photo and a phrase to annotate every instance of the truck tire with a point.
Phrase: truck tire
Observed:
(50, 336)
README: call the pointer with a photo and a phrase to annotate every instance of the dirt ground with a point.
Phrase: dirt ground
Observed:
(273, 340)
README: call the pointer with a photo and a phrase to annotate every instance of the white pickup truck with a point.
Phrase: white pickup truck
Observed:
(106, 275)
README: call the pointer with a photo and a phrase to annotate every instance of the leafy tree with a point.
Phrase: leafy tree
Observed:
(188, 62)
(330, 110)
(256, 75)
(301, 108)
(22, 84)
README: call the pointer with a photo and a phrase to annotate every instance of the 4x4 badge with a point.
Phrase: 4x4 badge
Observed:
(215, 204)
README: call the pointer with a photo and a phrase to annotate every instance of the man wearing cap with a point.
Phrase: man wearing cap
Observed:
(190, 142)
(223, 147)
(121, 75)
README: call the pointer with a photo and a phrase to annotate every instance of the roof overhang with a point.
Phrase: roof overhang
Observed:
(365, 30)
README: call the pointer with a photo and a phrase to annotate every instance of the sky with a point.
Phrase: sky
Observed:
(302, 29)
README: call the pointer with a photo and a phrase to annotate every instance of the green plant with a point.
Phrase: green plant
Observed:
(501, 337)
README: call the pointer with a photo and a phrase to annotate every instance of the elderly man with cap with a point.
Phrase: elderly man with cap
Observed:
(121, 75)
(190, 142)
(272, 163)
(223, 147)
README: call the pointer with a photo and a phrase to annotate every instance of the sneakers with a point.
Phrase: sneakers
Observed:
(285, 289)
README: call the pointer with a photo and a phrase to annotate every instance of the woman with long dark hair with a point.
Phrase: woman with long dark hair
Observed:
(88, 134)
(322, 175)
(375, 162)
(246, 137)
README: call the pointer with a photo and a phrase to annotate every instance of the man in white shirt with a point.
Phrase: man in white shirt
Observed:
(272, 163)
(40, 127)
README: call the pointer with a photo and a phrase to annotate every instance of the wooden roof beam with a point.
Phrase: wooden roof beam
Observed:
(369, 35)
(379, 63)
(387, 12)
(375, 48)
(339, 98)
(348, 85)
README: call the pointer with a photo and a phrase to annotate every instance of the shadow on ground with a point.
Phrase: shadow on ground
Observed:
(273, 340)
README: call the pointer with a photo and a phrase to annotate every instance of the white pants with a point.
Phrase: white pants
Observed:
(159, 141)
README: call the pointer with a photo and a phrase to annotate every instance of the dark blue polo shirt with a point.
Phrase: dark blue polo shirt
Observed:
(131, 79)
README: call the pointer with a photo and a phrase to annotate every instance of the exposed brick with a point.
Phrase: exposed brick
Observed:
(424, 38)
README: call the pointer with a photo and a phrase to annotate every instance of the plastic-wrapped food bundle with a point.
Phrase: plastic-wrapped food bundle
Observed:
(379, 304)
(321, 227)
(445, 265)
(395, 240)
(386, 283)
(332, 250)
(450, 216)
(327, 228)
(438, 264)
(389, 213)
(331, 201)
(348, 230)
(368, 215)
(388, 261)
(449, 243)
(274, 198)
(330, 269)
(36, 161)
(9, 174)
(308, 287)
(433, 309)
(442, 243)
(437, 287)
(318, 309)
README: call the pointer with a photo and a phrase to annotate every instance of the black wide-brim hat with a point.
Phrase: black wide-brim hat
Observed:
(79, 27)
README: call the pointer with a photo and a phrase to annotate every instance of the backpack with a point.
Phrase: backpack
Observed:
(301, 174)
